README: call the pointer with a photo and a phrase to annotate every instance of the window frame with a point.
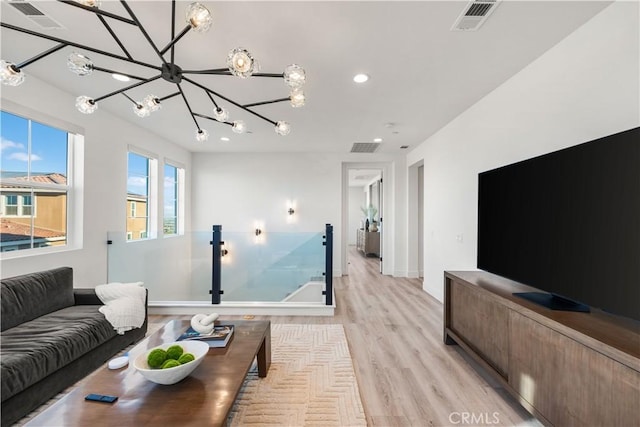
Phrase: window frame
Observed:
(179, 200)
(152, 195)
(72, 188)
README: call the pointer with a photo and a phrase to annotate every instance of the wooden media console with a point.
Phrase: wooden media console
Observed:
(566, 368)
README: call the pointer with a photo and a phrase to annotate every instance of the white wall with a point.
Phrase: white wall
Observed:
(105, 177)
(237, 190)
(584, 88)
(356, 202)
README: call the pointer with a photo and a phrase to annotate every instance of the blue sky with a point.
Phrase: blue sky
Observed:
(49, 154)
(48, 146)
(138, 176)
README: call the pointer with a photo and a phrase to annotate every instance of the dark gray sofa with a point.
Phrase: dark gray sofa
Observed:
(52, 336)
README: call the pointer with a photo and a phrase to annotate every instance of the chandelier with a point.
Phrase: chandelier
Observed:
(240, 63)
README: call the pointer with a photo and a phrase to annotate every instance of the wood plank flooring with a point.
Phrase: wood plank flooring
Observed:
(406, 375)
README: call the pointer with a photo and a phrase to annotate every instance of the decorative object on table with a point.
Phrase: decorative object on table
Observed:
(118, 362)
(370, 213)
(366, 225)
(174, 374)
(203, 323)
(374, 226)
(217, 338)
(239, 63)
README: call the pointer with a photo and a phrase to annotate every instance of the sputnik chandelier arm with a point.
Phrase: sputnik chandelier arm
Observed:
(70, 43)
(240, 64)
(114, 36)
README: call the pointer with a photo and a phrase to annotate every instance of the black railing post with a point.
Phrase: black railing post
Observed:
(328, 264)
(216, 265)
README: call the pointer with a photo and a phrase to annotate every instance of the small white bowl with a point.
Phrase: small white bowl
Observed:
(172, 375)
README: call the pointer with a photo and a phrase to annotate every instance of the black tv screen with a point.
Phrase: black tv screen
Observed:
(568, 223)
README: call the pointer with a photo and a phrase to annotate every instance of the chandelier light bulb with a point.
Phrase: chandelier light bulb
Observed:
(199, 17)
(294, 75)
(10, 75)
(79, 64)
(239, 126)
(151, 103)
(141, 110)
(241, 62)
(297, 98)
(202, 135)
(86, 105)
(282, 128)
(221, 114)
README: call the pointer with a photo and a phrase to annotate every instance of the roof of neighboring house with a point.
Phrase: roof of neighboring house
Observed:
(41, 177)
(140, 197)
(11, 231)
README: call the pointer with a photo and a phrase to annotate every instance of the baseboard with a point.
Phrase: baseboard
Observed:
(413, 274)
(241, 308)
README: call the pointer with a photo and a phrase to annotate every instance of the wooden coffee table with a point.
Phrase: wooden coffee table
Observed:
(204, 398)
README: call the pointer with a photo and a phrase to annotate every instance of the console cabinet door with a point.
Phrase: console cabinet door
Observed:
(482, 323)
(567, 382)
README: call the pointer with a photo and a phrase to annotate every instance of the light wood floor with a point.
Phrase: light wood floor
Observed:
(406, 375)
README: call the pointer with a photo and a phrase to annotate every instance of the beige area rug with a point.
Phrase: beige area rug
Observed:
(311, 382)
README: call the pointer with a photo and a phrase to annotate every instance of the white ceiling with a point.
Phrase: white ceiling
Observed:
(422, 74)
(363, 177)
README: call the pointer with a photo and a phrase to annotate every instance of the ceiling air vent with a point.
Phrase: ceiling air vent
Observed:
(474, 15)
(365, 147)
(35, 15)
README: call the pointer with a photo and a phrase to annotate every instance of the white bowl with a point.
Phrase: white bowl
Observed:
(172, 375)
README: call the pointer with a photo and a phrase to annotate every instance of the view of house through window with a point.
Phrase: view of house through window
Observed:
(34, 187)
(172, 195)
(138, 190)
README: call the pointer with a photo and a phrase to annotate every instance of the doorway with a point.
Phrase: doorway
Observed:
(364, 190)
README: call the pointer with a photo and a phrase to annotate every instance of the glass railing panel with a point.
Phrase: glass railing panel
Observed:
(272, 266)
(176, 268)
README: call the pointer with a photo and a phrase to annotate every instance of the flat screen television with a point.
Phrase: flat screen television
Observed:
(568, 224)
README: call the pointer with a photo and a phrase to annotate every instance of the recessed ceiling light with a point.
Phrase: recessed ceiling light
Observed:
(224, 138)
(120, 77)
(360, 78)
(377, 139)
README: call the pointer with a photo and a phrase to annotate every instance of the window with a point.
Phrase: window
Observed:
(15, 205)
(27, 207)
(172, 223)
(35, 189)
(140, 196)
(10, 205)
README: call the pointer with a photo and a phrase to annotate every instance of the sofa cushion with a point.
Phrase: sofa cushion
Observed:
(24, 298)
(33, 350)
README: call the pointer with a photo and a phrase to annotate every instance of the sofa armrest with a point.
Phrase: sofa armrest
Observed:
(86, 296)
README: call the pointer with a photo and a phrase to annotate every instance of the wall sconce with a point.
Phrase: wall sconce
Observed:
(291, 211)
(223, 249)
(258, 232)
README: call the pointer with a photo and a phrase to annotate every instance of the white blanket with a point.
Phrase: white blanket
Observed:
(124, 305)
